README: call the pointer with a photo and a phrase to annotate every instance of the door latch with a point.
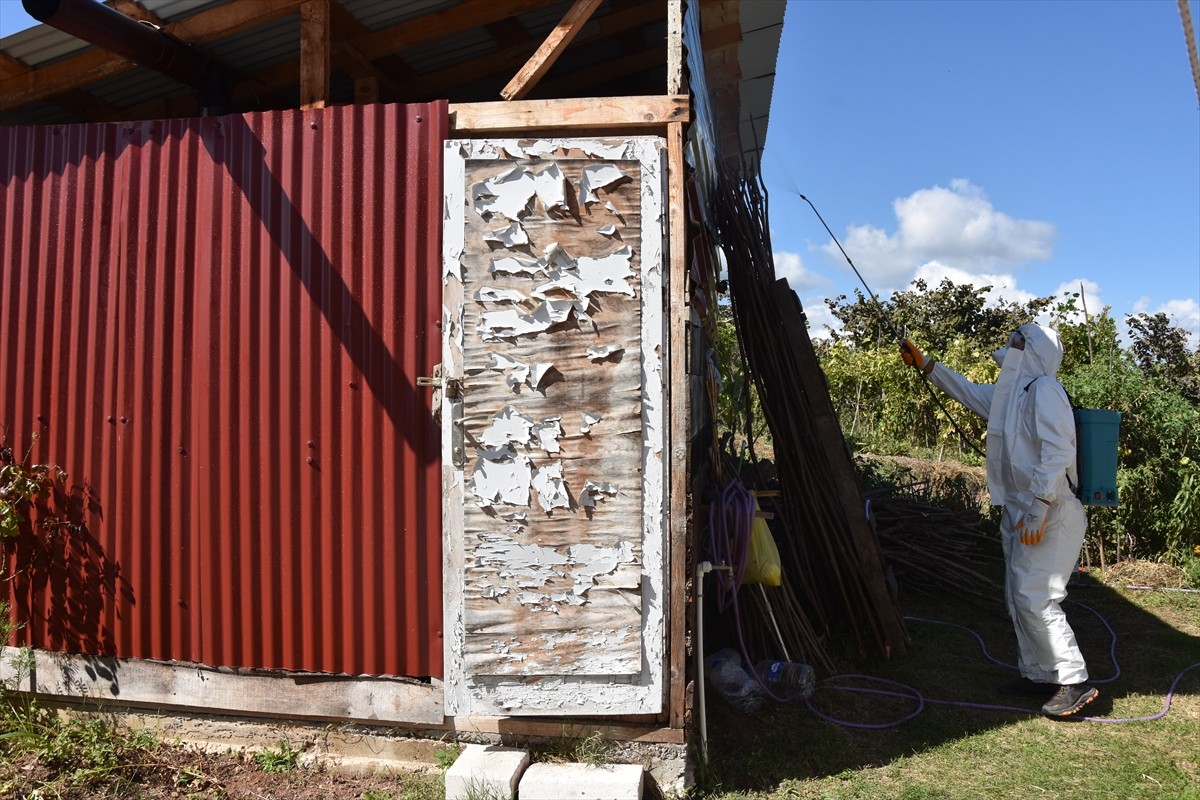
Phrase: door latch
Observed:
(436, 383)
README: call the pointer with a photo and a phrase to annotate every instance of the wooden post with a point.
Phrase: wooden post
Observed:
(314, 54)
(674, 46)
(679, 425)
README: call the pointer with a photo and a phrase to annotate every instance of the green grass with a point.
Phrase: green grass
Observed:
(951, 752)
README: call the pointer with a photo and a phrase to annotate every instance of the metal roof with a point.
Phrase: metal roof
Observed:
(430, 64)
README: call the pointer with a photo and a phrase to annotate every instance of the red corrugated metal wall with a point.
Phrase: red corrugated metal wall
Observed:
(216, 326)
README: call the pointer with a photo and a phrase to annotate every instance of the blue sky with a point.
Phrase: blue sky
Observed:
(13, 18)
(1028, 145)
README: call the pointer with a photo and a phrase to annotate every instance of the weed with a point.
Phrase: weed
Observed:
(593, 749)
(283, 759)
(447, 755)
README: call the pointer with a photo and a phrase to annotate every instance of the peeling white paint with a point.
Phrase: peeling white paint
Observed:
(589, 421)
(600, 176)
(507, 427)
(551, 187)
(607, 230)
(587, 275)
(512, 235)
(551, 491)
(547, 432)
(538, 149)
(604, 351)
(518, 372)
(492, 294)
(510, 323)
(538, 371)
(516, 265)
(501, 477)
(593, 492)
(527, 560)
(507, 194)
(613, 150)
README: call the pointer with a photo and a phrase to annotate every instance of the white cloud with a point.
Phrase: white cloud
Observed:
(1004, 285)
(800, 278)
(957, 227)
(819, 317)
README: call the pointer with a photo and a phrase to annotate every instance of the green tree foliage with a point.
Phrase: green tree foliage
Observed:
(886, 408)
(1161, 352)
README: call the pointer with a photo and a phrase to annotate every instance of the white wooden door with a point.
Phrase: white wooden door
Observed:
(553, 418)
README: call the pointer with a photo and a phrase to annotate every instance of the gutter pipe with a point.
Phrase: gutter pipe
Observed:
(143, 44)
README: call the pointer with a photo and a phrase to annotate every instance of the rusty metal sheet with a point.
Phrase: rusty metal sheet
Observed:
(216, 326)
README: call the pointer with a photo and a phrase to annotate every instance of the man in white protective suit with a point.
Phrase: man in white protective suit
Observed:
(1031, 471)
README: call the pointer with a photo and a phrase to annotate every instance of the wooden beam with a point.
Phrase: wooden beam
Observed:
(674, 46)
(589, 113)
(314, 54)
(566, 30)
(135, 10)
(442, 82)
(603, 74)
(11, 67)
(76, 71)
(459, 18)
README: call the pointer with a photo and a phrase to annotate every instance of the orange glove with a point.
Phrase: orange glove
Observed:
(915, 358)
(1032, 526)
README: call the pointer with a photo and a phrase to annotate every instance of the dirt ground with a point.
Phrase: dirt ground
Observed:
(174, 772)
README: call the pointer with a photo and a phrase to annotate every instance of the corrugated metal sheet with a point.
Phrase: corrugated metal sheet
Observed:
(216, 325)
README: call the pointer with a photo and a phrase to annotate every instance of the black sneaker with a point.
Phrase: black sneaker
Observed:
(1023, 687)
(1070, 700)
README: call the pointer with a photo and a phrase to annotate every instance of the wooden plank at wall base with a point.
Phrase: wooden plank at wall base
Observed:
(191, 690)
(290, 695)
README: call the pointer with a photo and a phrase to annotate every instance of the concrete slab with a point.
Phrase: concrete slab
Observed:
(581, 782)
(486, 771)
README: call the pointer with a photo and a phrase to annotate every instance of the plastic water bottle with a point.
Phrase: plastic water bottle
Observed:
(726, 674)
(787, 680)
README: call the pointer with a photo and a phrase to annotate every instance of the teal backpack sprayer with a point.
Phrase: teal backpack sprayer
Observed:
(1096, 434)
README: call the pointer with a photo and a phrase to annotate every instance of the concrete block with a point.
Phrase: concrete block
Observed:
(581, 782)
(486, 771)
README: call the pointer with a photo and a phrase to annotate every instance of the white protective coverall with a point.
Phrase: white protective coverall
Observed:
(1030, 457)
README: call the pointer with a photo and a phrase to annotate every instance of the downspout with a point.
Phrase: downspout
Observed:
(144, 45)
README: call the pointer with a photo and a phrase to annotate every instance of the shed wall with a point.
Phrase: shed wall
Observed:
(216, 327)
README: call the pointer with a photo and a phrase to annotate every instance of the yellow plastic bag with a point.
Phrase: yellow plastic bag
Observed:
(762, 560)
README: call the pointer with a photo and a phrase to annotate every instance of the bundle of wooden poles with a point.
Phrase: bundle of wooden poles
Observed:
(834, 572)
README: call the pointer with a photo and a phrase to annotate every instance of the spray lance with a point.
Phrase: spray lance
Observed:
(900, 339)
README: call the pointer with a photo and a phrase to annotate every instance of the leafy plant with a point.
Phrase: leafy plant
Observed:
(281, 759)
(447, 755)
(24, 484)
